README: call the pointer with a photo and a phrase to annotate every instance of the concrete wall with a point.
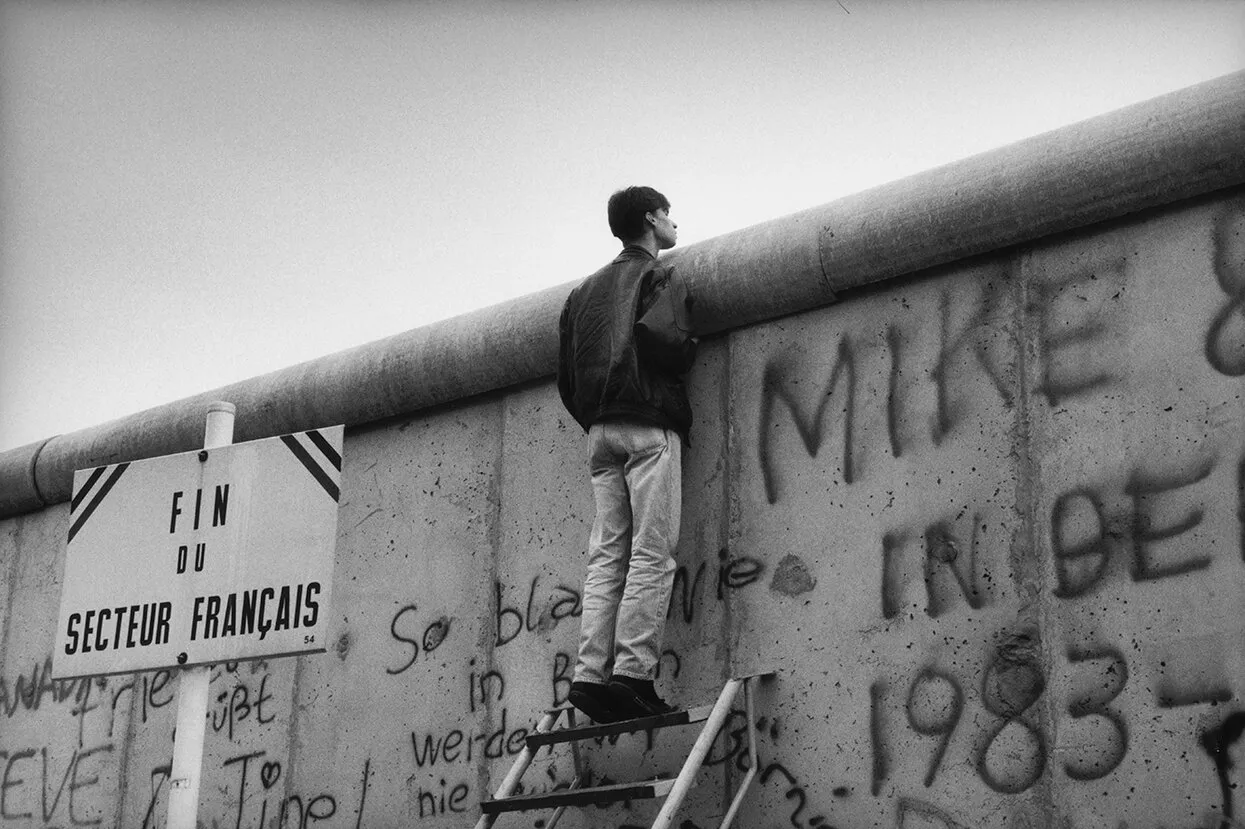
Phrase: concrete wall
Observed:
(985, 521)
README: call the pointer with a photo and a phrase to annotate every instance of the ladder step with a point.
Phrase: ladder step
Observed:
(579, 797)
(585, 732)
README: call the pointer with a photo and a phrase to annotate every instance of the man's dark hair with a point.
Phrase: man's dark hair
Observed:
(627, 208)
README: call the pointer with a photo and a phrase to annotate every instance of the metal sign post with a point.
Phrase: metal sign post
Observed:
(192, 684)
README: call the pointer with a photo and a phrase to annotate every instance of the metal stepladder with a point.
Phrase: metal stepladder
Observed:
(673, 789)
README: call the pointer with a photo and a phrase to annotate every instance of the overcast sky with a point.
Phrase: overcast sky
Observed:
(193, 193)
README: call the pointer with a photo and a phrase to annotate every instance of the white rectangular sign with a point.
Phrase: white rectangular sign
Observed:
(208, 556)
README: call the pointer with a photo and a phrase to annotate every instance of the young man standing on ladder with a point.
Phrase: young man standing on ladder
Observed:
(621, 382)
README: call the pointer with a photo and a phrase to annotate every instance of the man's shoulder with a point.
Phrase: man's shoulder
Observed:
(607, 276)
(588, 286)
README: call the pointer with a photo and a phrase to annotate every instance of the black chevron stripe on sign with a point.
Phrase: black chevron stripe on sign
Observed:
(327, 448)
(86, 488)
(96, 499)
(313, 465)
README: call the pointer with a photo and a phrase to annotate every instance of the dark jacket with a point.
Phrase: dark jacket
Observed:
(600, 375)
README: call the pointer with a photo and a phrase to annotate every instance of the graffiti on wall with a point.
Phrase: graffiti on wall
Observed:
(74, 782)
(489, 727)
(64, 779)
(824, 401)
(263, 797)
(1140, 527)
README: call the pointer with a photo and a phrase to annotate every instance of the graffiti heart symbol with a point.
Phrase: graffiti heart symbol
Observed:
(269, 774)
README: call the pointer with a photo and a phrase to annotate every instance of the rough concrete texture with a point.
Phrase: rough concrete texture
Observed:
(985, 523)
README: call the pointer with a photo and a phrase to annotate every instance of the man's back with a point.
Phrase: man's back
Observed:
(600, 374)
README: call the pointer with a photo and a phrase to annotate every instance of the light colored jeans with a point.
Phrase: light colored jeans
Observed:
(637, 484)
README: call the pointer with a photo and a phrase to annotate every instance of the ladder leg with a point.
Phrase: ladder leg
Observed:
(558, 812)
(752, 756)
(721, 709)
(578, 761)
(521, 763)
(577, 756)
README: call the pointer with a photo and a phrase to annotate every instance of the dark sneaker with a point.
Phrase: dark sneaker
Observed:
(636, 698)
(595, 700)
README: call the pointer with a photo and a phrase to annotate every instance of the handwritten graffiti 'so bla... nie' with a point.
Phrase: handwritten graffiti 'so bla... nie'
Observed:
(235, 546)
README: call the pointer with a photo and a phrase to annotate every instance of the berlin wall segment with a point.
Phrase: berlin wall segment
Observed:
(1025, 602)
(1040, 505)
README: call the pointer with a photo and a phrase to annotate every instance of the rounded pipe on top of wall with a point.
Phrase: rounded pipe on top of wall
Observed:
(1160, 151)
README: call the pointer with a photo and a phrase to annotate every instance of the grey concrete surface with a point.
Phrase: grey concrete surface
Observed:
(984, 521)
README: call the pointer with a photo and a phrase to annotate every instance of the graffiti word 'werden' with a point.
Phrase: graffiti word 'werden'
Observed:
(260, 610)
